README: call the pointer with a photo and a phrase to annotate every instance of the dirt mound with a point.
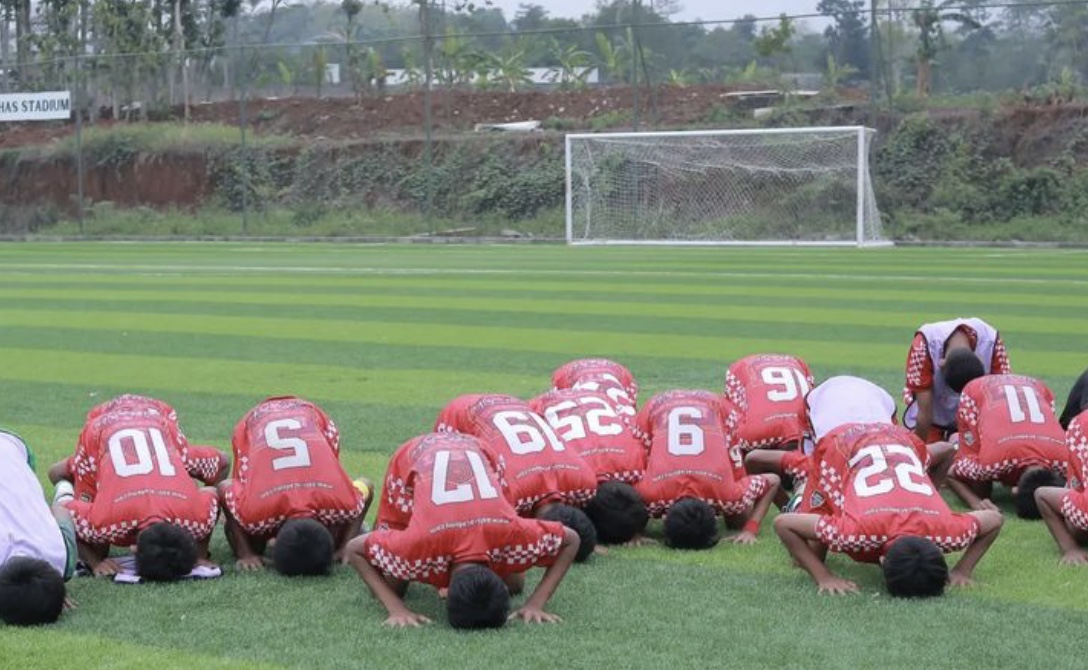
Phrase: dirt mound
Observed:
(402, 114)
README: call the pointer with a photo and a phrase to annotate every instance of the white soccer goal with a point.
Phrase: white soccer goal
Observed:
(760, 186)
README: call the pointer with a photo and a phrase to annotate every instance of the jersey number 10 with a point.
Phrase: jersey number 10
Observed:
(143, 442)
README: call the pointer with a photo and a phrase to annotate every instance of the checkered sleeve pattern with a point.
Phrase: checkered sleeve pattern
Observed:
(968, 468)
(1077, 441)
(522, 556)
(795, 465)
(957, 541)
(1075, 510)
(398, 494)
(999, 364)
(828, 532)
(967, 424)
(735, 391)
(339, 516)
(753, 491)
(625, 476)
(831, 482)
(263, 528)
(428, 569)
(919, 374)
(202, 463)
(123, 531)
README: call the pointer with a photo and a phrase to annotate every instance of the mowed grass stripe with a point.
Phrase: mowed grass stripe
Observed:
(892, 263)
(918, 261)
(195, 374)
(785, 311)
(844, 351)
(51, 648)
(1023, 301)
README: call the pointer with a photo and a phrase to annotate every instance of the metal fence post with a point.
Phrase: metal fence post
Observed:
(243, 153)
(80, 189)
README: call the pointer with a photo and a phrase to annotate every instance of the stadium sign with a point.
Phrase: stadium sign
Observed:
(35, 106)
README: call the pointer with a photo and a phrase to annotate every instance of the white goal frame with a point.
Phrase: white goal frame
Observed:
(864, 183)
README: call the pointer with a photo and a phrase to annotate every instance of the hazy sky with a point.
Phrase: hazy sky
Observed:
(693, 9)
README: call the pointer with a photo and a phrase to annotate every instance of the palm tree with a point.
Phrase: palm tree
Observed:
(930, 18)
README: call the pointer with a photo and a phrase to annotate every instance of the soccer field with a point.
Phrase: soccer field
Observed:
(383, 336)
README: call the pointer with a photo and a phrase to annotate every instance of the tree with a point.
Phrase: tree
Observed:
(774, 41)
(929, 19)
(848, 37)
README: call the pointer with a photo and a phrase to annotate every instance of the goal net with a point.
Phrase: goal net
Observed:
(766, 186)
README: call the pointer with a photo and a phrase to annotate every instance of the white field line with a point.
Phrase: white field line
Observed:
(242, 270)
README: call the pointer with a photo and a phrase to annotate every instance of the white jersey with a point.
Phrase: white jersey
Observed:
(27, 526)
(945, 400)
(845, 399)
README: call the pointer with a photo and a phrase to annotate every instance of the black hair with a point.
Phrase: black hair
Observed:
(165, 553)
(1077, 401)
(31, 592)
(960, 366)
(617, 512)
(914, 567)
(303, 547)
(478, 598)
(691, 523)
(576, 520)
(1031, 479)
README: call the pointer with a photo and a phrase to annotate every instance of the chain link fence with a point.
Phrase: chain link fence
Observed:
(340, 134)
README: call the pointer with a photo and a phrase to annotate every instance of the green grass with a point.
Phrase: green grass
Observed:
(383, 336)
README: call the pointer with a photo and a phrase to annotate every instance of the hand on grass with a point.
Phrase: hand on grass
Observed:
(959, 579)
(744, 537)
(836, 586)
(535, 615)
(249, 564)
(406, 619)
(107, 568)
(1075, 557)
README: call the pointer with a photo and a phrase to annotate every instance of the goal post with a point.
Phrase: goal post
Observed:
(771, 186)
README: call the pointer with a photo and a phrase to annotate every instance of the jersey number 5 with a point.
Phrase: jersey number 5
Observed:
(299, 456)
(873, 479)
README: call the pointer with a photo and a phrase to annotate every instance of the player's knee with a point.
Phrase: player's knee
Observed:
(1027, 505)
(618, 512)
(31, 592)
(914, 567)
(303, 547)
(478, 598)
(579, 522)
(691, 524)
(165, 553)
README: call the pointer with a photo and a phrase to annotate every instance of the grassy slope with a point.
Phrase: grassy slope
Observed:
(382, 336)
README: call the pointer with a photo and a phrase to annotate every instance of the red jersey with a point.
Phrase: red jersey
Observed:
(769, 390)
(287, 466)
(539, 468)
(588, 424)
(1075, 503)
(133, 458)
(201, 462)
(395, 506)
(603, 375)
(458, 515)
(870, 481)
(692, 453)
(1006, 425)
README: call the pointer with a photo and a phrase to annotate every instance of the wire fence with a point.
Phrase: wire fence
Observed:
(342, 135)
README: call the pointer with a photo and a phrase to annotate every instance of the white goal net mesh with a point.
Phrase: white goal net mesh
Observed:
(774, 186)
